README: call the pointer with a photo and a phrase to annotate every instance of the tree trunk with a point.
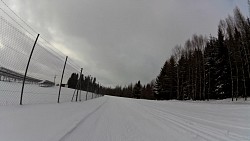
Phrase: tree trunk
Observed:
(237, 82)
(204, 79)
(208, 93)
(244, 80)
(178, 92)
(189, 82)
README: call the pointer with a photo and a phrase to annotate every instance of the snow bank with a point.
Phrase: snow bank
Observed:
(10, 93)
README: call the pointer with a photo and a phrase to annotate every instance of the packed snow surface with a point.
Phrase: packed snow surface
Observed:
(33, 94)
(120, 119)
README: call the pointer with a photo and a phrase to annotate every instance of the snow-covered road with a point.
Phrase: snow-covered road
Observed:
(120, 119)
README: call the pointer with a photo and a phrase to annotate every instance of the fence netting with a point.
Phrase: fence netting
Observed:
(44, 72)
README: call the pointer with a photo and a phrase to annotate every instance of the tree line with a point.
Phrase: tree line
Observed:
(89, 84)
(203, 68)
(136, 90)
(85, 83)
(209, 68)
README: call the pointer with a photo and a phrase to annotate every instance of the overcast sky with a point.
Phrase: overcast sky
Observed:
(122, 41)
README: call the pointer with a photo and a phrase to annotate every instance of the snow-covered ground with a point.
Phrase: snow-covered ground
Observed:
(120, 119)
(10, 93)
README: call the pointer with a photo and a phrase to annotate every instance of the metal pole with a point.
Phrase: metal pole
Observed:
(87, 91)
(80, 85)
(58, 100)
(88, 87)
(77, 87)
(79, 81)
(55, 80)
(74, 93)
(75, 90)
(27, 67)
(98, 91)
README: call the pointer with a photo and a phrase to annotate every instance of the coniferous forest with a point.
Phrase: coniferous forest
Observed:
(203, 68)
(209, 68)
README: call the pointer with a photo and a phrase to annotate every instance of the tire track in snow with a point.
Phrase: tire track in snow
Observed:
(74, 127)
(206, 132)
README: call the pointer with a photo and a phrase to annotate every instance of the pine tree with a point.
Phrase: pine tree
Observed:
(223, 68)
(72, 81)
(137, 90)
(210, 55)
(160, 84)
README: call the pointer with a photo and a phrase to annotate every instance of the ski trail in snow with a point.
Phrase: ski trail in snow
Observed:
(202, 130)
(74, 127)
(123, 119)
(137, 120)
(116, 121)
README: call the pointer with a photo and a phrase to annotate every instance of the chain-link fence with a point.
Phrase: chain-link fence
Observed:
(44, 74)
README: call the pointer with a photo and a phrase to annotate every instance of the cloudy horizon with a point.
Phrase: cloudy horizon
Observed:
(123, 41)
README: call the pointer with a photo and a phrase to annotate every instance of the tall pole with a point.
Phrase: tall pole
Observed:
(58, 100)
(87, 89)
(76, 88)
(55, 80)
(98, 88)
(80, 85)
(26, 70)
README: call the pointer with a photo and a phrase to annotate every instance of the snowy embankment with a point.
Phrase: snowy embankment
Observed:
(10, 93)
(112, 118)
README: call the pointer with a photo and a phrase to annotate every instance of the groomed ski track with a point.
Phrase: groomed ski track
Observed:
(122, 119)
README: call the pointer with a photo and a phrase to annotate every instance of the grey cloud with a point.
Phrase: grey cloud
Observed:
(122, 41)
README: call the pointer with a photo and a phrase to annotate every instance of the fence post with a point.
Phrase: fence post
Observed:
(98, 88)
(27, 67)
(75, 90)
(58, 100)
(80, 85)
(79, 81)
(73, 94)
(87, 91)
